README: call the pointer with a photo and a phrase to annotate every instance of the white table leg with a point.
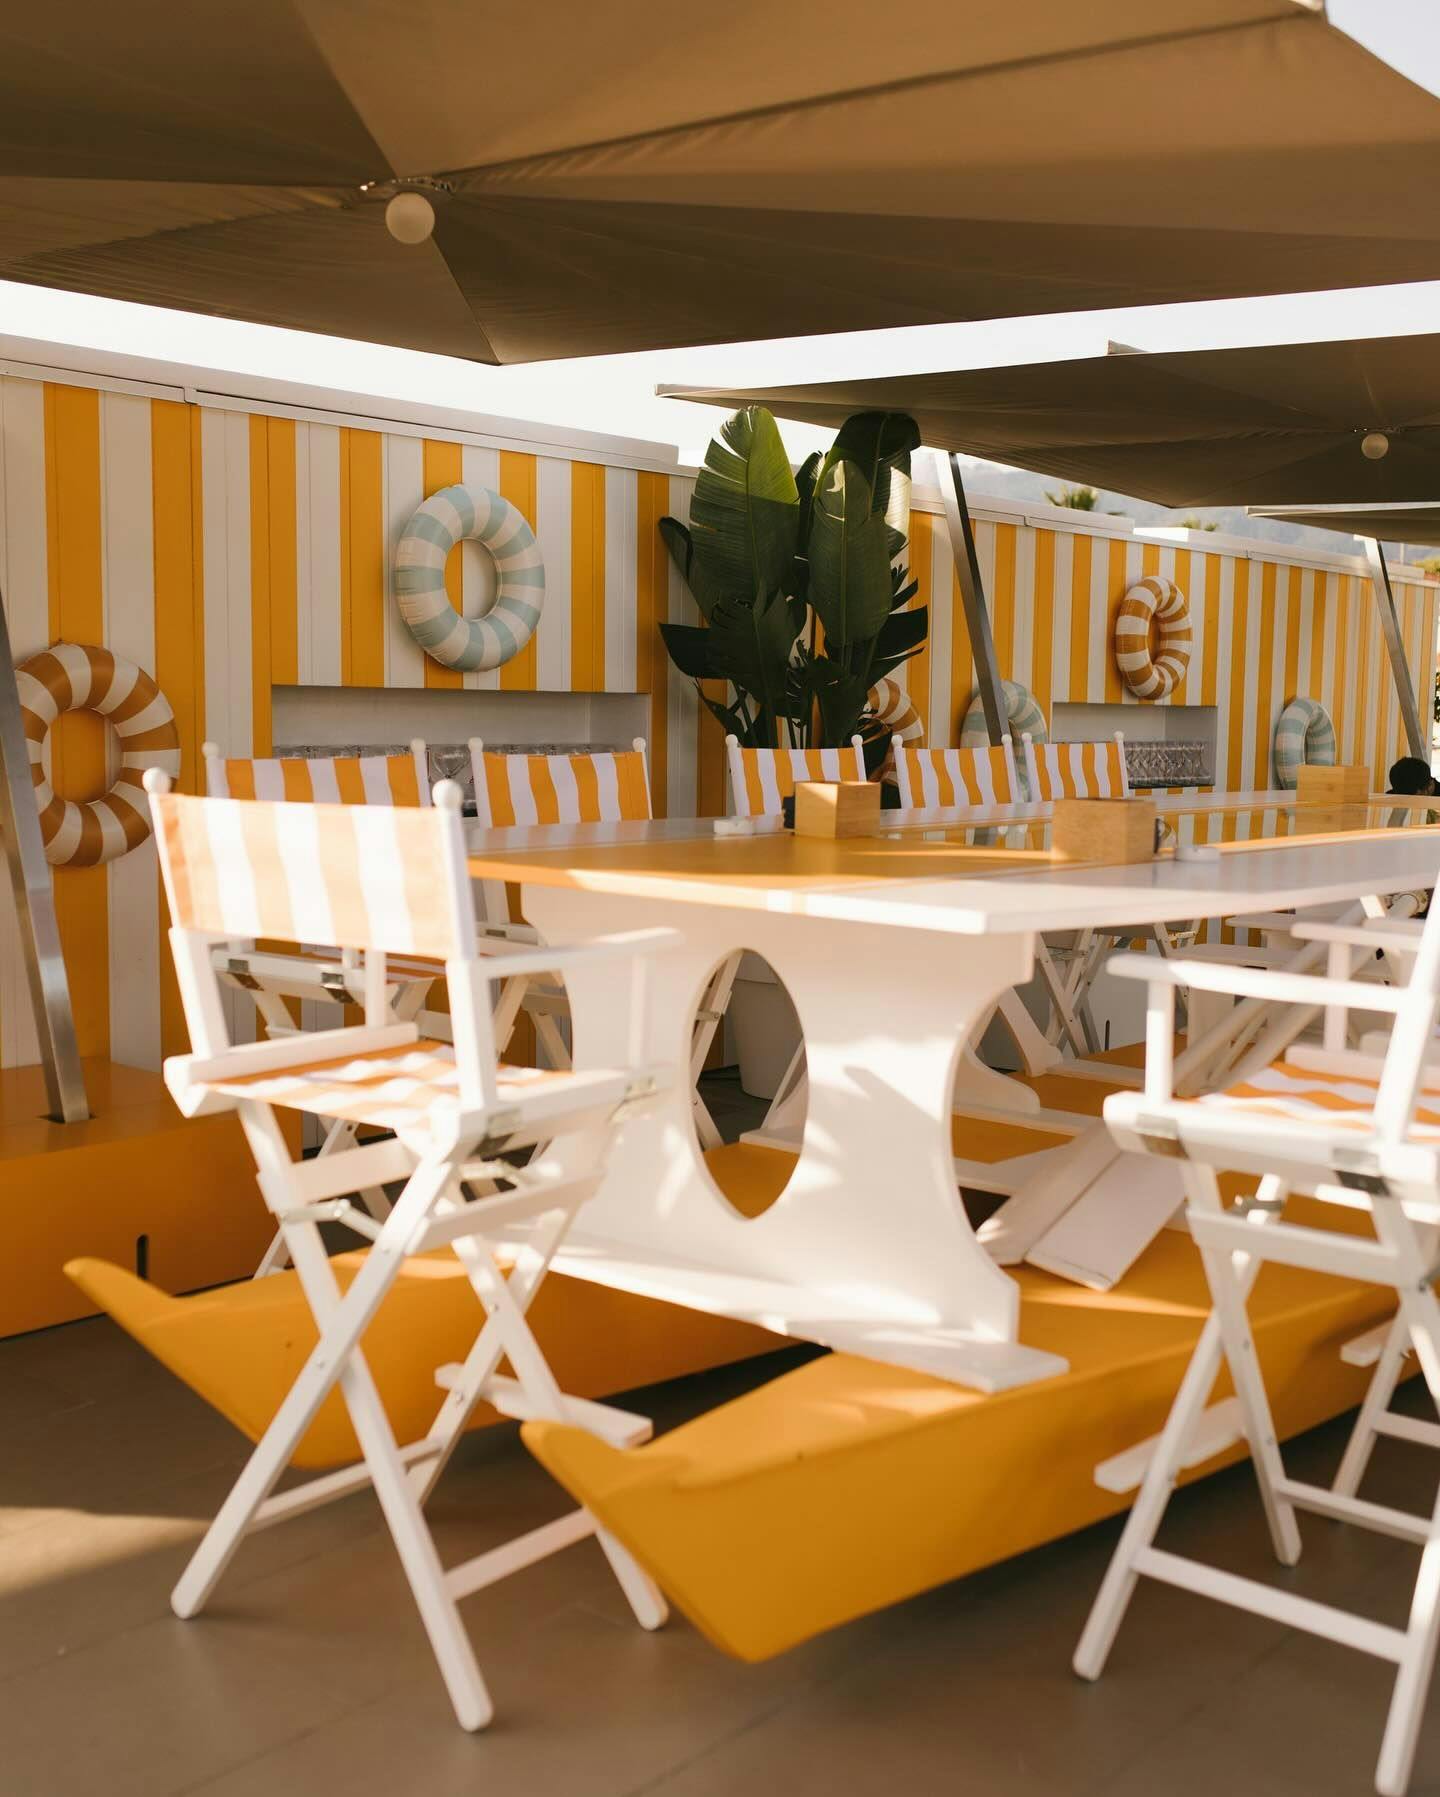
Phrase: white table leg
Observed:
(868, 1248)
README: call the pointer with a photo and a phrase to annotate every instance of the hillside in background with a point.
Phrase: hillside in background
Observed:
(1017, 483)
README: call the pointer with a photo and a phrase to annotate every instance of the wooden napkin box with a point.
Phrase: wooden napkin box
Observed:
(837, 808)
(1332, 785)
(1110, 831)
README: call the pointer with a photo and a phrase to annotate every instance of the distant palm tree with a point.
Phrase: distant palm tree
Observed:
(1191, 522)
(1075, 499)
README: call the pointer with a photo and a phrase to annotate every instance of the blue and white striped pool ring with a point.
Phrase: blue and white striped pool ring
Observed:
(1303, 734)
(1023, 717)
(449, 517)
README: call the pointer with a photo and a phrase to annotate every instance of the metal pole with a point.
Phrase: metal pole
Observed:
(34, 890)
(972, 594)
(1394, 642)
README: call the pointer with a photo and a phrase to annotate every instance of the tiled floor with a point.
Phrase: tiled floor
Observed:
(310, 1675)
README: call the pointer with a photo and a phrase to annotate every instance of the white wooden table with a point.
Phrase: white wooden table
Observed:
(893, 951)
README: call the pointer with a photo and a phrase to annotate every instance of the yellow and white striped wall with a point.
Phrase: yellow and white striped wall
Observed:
(229, 550)
(231, 541)
(1269, 622)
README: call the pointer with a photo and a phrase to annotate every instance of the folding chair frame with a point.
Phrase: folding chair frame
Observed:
(1398, 1182)
(456, 1194)
(428, 1212)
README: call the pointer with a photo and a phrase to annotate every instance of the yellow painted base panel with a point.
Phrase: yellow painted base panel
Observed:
(1086, 1097)
(135, 1170)
(848, 1485)
(241, 1347)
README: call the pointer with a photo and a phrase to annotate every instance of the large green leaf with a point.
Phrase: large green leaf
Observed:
(751, 644)
(850, 584)
(734, 722)
(744, 515)
(900, 637)
(689, 646)
(805, 487)
(821, 687)
(678, 541)
(880, 446)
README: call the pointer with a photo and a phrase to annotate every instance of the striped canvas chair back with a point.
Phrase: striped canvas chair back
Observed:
(321, 779)
(949, 777)
(1076, 770)
(609, 787)
(384, 877)
(762, 779)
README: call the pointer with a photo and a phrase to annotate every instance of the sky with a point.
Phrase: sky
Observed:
(616, 393)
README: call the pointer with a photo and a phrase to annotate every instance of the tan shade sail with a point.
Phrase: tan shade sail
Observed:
(1280, 425)
(1418, 524)
(633, 174)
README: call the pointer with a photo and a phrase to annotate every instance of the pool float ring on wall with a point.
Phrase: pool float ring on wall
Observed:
(1023, 717)
(76, 677)
(1303, 734)
(451, 516)
(895, 709)
(1153, 600)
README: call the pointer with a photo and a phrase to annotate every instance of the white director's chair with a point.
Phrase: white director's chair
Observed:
(1350, 1128)
(380, 881)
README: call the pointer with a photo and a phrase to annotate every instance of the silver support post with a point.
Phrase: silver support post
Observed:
(972, 594)
(1395, 643)
(34, 891)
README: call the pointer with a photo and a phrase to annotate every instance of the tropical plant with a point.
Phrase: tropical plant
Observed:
(1076, 499)
(1192, 522)
(799, 578)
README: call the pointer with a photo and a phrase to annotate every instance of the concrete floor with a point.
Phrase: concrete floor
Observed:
(310, 1674)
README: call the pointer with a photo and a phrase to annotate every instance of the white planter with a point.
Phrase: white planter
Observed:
(765, 1027)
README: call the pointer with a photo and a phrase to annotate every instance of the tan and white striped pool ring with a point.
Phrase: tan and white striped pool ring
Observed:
(1153, 599)
(76, 677)
(893, 706)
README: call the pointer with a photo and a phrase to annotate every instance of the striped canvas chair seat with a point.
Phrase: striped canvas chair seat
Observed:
(1076, 770)
(1298, 1094)
(606, 787)
(321, 779)
(950, 777)
(762, 779)
(401, 1088)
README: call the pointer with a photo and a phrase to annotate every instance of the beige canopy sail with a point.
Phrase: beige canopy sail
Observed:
(1349, 423)
(1281, 424)
(1415, 524)
(633, 175)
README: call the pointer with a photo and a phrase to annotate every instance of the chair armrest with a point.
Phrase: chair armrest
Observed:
(1404, 934)
(1281, 922)
(1276, 984)
(556, 960)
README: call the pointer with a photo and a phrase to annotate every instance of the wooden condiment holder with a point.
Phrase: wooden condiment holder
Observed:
(1110, 831)
(1316, 785)
(837, 808)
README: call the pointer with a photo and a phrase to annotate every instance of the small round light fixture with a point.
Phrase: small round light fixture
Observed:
(1374, 445)
(410, 218)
